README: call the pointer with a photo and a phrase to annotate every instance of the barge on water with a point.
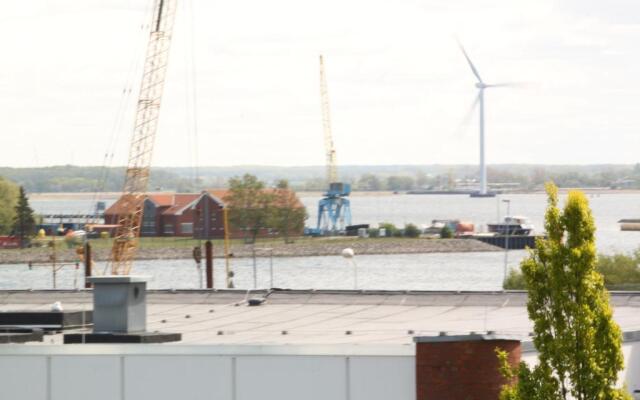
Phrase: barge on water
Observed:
(629, 224)
(517, 242)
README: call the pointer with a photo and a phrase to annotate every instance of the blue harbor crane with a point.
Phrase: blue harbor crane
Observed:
(334, 210)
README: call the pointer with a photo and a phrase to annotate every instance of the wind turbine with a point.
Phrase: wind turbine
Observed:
(481, 85)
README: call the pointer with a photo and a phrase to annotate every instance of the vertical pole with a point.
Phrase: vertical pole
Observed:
(199, 267)
(506, 241)
(54, 262)
(197, 256)
(255, 272)
(87, 264)
(209, 257)
(355, 274)
(227, 269)
(75, 276)
(271, 268)
(483, 167)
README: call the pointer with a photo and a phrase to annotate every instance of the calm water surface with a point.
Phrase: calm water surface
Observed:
(460, 271)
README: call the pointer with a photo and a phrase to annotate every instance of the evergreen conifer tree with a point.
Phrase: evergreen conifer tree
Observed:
(24, 222)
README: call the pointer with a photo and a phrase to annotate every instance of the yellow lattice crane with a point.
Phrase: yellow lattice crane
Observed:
(334, 210)
(125, 243)
(332, 169)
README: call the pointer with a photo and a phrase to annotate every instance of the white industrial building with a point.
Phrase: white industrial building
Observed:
(292, 345)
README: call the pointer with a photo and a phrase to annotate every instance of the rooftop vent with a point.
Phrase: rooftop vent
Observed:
(120, 313)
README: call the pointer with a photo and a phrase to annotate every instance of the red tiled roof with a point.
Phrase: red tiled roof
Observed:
(219, 194)
(181, 200)
(174, 203)
(162, 200)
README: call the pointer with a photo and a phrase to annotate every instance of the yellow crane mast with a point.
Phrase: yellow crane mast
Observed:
(334, 210)
(125, 243)
(332, 170)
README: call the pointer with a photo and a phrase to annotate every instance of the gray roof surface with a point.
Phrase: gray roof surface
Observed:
(322, 317)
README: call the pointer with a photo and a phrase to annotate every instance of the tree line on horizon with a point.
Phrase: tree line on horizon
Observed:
(70, 178)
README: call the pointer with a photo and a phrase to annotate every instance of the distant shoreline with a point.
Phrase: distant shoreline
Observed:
(114, 195)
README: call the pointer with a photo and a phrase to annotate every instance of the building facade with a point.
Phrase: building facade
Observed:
(163, 214)
(200, 216)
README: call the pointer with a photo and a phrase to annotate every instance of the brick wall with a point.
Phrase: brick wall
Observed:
(461, 369)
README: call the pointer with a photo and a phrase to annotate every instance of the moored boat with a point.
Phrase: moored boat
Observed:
(512, 225)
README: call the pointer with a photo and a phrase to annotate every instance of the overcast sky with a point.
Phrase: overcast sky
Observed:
(400, 89)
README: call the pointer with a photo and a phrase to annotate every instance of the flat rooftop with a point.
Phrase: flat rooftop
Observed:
(320, 317)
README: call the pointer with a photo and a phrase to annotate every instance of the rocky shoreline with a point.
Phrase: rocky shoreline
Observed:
(303, 248)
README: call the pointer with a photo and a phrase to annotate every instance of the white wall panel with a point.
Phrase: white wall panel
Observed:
(380, 378)
(23, 377)
(178, 377)
(631, 374)
(85, 377)
(291, 378)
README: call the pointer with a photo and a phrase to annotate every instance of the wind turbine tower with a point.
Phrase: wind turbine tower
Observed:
(481, 86)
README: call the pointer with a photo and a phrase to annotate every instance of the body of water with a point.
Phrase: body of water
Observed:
(451, 271)
(445, 271)
(607, 209)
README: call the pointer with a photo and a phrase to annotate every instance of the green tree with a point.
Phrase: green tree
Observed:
(446, 233)
(369, 182)
(400, 183)
(389, 229)
(24, 223)
(250, 206)
(421, 179)
(411, 230)
(620, 269)
(8, 199)
(288, 214)
(578, 343)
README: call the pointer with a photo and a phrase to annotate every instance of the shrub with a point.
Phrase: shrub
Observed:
(515, 280)
(390, 228)
(374, 232)
(619, 270)
(412, 231)
(446, 232)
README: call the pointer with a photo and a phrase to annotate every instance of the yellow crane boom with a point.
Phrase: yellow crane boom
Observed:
(332, 170)
(125, 243)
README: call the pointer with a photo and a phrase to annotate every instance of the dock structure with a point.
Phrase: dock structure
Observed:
(513, 242)
(629, 224)
(76, 220)
(291, 344)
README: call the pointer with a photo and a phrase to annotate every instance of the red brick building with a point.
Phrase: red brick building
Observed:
(164, 214)
(200, 216)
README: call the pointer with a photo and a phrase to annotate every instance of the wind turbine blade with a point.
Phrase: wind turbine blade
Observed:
(473, 68)
(505, 84)
(464, 123)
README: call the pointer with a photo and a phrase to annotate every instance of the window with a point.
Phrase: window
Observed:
(168, 228)
(186, 227)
